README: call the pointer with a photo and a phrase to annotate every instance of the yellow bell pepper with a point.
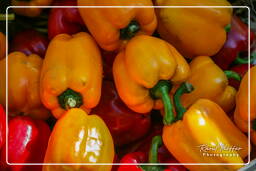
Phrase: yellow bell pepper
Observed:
(204, 134)
(79, 138)
(71, 75)
(112, 28)
(143, 73)
(194, 31)
(210, 82)
(23, 85)
(242, 99)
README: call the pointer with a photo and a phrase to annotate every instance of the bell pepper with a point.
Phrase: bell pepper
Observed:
(119, 118)
(204, 129)
(112, 27)
(30, 12)
(71, 74)
(23, 85)
(79, 138)
(241, 70)
(242, 99)
(64, 20)
(2, 126)
(2, 45)
(237, 42)
(140, 157)
(143, 81)
(29, 42)
(194, 31)
(210, 82)
(27, 143)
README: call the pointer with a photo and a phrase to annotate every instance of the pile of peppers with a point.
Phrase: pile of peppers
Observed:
(126, 88)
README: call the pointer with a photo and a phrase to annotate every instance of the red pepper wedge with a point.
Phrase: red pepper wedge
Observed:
(30, 42)
(64, 20)
(27, 143)
(2, 126)
(237, 41)
(119, 118)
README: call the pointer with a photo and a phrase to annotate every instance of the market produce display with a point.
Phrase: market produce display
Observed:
(125, 87)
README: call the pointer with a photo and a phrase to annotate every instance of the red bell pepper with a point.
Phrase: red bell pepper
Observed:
(119, 118)
(64, 20)
(237, 42)
(141, 157)
(27, 143)
(30, 41)
(2, 126)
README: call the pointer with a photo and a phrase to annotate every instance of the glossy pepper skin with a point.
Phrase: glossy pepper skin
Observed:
(209, 82)
(2, 126)
(71, 74)
(79, 138)
(23, 85)
(64, 20)
(237, 41)
(144, 70)
(30, 12)
(29, 42)
(27, 142)
(2, 45)
(119, 118)
(194, 32)
(204, 124)
(241, 112)
(112, 27)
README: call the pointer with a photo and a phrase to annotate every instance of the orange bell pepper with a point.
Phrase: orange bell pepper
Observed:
(71, 74)
(194, 31)
(23, 85)
(143, 73)
(210, 82)
(79, 138)
(112, 27)
(241, 112)
(2, 45)
(30, 12)
(204, 134)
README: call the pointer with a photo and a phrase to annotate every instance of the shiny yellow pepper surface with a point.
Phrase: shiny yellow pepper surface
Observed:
(79, 138)
(197, 132)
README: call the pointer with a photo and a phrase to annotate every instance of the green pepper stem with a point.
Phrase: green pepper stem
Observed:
(232, 74)
(240, 60)
(129, 31)
(161, 90)
(184, 88)
(9, 16)
(70, 99)
(228, 28)
(153, 153)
